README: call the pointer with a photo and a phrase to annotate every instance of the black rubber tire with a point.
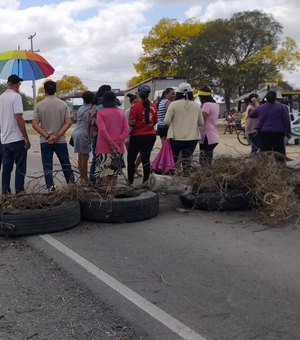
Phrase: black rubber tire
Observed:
(121, 210)
(242, 138)
(40, 221)
(234, 199)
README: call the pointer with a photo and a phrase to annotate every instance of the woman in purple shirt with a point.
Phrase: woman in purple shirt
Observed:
(209, 132)
(273, 124)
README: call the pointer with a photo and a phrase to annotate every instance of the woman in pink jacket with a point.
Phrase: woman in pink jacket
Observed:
(113, 129)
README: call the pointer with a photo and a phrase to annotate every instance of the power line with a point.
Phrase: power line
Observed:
(98, 81)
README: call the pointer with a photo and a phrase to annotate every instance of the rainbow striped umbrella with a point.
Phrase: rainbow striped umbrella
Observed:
(25, 64)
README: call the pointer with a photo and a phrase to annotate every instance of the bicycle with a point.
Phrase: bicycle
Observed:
(241, 136)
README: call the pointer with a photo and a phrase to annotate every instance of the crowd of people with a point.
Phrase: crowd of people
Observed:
(266, 122)
(105, 130)
(272, 124)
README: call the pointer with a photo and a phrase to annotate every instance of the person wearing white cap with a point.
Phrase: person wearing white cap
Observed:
(184, 117)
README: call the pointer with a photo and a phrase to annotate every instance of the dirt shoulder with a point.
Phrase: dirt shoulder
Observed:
(39, 301)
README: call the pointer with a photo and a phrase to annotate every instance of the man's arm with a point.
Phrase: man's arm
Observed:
(55, 137)
(22, 127)
(36, 126)
(36, 123)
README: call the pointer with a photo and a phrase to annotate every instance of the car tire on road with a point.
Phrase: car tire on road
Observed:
(40, 221)
(234, 199)
(140, 207)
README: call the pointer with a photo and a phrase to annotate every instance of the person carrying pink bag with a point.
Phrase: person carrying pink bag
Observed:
(164, 160)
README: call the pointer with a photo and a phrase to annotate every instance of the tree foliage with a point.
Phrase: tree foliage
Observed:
(162, 48)
(66, 84)
(239, 54)
(2, 88)
(27, 102)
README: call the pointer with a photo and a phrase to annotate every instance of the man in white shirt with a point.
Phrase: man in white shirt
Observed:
(14, 138)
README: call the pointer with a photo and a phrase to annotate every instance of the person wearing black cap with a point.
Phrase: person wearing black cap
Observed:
(113, 129)
(92, 126)
(52, 120)
(14, 138)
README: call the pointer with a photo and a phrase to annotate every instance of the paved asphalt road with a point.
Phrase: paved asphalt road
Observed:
(201, 275)
(224, 276)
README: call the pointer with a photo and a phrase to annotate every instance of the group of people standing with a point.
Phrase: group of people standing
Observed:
(51, 120)
(108, 128)
(267, 124)
(103, 128)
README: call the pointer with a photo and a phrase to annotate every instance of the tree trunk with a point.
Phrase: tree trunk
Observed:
(227, 100)
(170, 184)
(240, 103)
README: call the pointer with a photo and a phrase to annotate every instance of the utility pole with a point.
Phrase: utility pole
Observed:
(33, 82)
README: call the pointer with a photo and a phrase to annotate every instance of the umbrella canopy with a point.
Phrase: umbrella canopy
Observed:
(26, 64)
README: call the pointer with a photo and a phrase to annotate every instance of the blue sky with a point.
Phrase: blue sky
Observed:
(100, 40)
(32, 3)
(154, 14)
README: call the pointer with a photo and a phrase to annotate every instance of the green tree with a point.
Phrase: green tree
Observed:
(66, 84)
(2, 88)
(162, 48)
(239, 54)
(27, 102)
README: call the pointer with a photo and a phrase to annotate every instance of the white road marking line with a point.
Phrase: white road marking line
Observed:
(173, 324)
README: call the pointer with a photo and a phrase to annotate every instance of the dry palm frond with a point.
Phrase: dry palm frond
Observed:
(273, 187)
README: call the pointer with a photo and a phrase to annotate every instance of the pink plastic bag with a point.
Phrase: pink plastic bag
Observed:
(164, 160)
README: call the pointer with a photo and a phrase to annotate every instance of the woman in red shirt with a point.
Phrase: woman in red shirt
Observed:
(142, 118)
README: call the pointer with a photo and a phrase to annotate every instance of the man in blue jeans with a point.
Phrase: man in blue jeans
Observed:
(14, 138)
(51, 120)
(1, 154)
